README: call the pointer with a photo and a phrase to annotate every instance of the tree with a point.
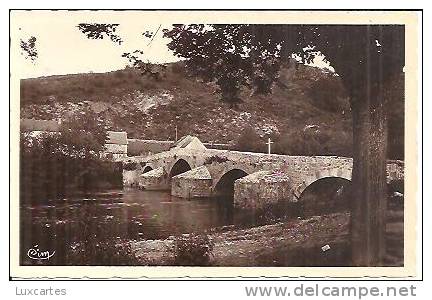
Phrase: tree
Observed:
(29, 48)
(366, 57)
(231, 55)
(54, 162)
(367, 64)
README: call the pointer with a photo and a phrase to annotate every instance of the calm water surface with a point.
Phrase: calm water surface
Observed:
(127, 214)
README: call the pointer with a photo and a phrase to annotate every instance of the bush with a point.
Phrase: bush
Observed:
(178, 68)
(250, 141)
(193, 250)
(120, 74)
(45, 175)
(54, 165)
(93, 244)
(329, 94)
(102, 253)
(322, 141)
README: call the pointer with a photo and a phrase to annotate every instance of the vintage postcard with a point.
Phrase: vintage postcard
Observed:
(151, 144)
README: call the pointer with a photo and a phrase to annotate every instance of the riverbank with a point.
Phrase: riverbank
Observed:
(297, 242)
(316, 241)
(293, 243)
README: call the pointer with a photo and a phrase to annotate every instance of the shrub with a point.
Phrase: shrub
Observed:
(324, 141)
(110, 252)
(178, 68)
(329, 94)
(249, 140)
(53, 165)
(193, 250)
(120, 74)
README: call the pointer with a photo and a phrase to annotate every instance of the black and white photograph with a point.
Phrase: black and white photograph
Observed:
(212, 139)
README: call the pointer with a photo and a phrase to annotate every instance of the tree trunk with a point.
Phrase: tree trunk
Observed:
(368, 211)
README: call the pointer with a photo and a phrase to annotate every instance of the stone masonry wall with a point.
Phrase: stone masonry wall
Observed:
(190, 188)
(154, 180)
(262, 189)
(301, 171)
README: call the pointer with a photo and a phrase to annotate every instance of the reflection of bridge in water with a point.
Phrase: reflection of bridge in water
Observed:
(190, 170)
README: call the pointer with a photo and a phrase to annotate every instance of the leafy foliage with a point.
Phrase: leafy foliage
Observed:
(249, 140)
(193, 249)
(29, 48)
(130, 166)
(82, 134)
(231, 55)
(329, 94)
(153, 71)
(98, 31)
(98, 245)
(252, 55)
(62, 163)
(314, 141)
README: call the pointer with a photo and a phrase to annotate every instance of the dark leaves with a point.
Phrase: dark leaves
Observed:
(152, 71)
(232, 55)
(29, 48)
(252, 55)
(148, 34)
(97, 31)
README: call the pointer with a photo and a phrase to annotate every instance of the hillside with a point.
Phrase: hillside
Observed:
(306, 113)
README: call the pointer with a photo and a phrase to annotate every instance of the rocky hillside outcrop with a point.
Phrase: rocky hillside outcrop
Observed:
(151, 109)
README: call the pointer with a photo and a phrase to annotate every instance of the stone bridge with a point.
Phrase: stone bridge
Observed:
(253, 179)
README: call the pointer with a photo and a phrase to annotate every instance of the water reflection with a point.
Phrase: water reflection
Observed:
(123, 214)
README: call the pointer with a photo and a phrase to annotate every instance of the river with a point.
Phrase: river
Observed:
(129, 214)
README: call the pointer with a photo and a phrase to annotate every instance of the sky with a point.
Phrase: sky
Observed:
(63, 49)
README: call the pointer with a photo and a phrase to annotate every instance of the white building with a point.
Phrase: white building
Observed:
(116, 145)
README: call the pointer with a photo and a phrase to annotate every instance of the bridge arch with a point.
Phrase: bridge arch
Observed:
(328, 173)
(147, 169)
(325, 195)
(224, 185)
(180, 166)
